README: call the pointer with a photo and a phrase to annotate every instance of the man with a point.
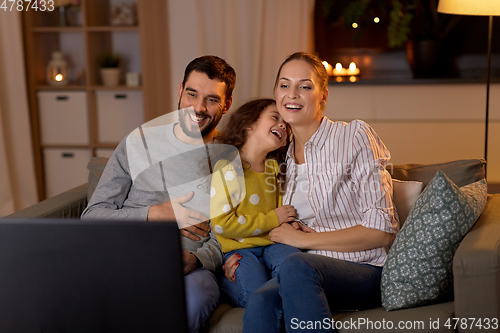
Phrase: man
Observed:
(157, 172)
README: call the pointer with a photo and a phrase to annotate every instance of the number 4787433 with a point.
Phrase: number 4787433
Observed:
(472, 323)
(25, 5)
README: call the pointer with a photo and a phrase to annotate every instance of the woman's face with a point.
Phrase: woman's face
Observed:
(299, 96)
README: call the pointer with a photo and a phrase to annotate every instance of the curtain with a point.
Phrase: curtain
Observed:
(17, 175)
(252, 36)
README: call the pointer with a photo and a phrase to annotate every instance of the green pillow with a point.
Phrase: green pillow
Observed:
(418, 270)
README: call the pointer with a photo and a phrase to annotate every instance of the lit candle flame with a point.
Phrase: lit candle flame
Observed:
(328, 67)
(59, 77)
(338, 66)
(352, 66)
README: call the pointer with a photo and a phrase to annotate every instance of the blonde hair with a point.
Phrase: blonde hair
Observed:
(312, 60)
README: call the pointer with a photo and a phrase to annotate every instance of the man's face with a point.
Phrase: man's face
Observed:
(207, 97)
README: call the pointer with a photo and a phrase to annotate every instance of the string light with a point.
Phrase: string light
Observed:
(376, 20)
(354, 25)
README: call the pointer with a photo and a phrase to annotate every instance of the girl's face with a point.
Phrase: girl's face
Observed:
(270, 130)
(299, 96)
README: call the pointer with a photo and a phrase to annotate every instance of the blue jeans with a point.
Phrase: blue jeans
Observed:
(256, 267)
(202, 297)
(310, 288)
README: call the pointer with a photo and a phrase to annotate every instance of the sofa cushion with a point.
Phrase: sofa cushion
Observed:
(418, 269)
(461, 172)
(428, 319)
(96, 167)
(405, 195)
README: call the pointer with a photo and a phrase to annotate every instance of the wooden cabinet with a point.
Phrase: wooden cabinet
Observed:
(117, 114)
(424, 123)
(75, 117)
(63, 107)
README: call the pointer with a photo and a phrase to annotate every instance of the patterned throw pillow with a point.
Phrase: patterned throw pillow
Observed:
(418, 269)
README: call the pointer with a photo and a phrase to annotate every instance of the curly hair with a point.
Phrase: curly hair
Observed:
(235, 132)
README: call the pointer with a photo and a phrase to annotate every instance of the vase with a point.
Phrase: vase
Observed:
(424, 57)
(74, 16)
(62, 16)
(110, 76)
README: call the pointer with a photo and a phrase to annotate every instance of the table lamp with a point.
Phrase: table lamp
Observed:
(480, 8)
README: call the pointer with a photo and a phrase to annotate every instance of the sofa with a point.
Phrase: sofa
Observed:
(476, 263)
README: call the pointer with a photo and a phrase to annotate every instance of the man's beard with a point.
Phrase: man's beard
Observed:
(194, 131)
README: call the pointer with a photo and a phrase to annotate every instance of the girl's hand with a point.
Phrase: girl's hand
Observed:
(287, 234)
(230, 266)
(286, 213)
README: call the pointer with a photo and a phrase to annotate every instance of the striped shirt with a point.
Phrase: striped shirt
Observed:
(348, 184)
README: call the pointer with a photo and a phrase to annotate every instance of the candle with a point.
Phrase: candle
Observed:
(328, 67)
(339, 71)
(353, 70)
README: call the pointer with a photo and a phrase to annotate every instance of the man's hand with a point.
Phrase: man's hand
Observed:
(190, 261)
(230, 266)
(199, 230)
(286, 213)
(173, 209)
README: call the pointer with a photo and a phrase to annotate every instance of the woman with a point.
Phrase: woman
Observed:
(336, 180)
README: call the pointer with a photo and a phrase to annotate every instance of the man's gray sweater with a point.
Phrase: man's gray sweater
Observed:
(149, 167)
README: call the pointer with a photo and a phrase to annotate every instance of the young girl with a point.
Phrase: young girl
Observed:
(245, 202)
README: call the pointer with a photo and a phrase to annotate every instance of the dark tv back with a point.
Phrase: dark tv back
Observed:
(78, 276)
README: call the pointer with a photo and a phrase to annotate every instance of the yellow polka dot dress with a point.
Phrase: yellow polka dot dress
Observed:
(242, 204)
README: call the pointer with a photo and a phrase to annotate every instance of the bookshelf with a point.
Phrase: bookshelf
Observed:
(71, 113)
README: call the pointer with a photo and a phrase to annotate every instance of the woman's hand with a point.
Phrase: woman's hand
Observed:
(230, 266)
(288, 234)
(357, 238)
(302, 227)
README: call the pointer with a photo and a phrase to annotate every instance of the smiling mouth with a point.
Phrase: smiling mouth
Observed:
(278, 133)
(293, 107)
(195, 118)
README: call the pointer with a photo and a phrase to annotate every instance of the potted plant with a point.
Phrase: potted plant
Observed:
(415, 24)
(109, 64)
(418, 25)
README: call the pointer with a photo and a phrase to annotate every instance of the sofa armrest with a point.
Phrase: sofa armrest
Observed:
(476, 267)
(69, 204)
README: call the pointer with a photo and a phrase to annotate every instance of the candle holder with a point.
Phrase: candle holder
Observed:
(57, 70)
(340, 71)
